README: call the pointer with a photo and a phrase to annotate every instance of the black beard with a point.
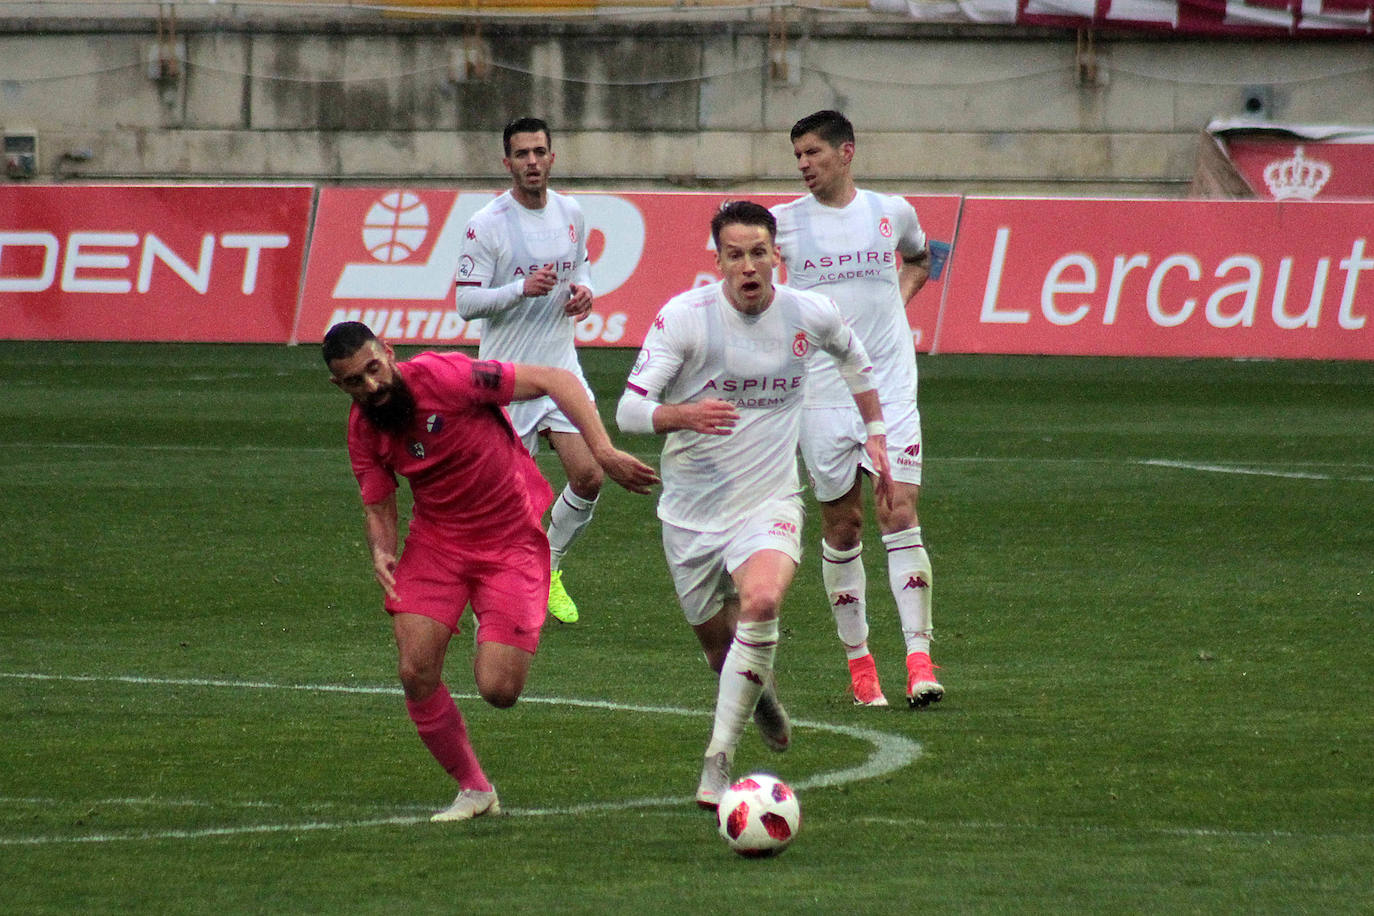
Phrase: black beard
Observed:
(396, 413)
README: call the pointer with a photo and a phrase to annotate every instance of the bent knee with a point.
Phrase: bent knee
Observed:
(587, 482)
(760, 604)
(501, 696)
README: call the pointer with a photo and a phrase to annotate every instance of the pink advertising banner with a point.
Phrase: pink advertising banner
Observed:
(1161, 278)
(388, 257)
(1298, 169)
(1270, 279)
(162, 263)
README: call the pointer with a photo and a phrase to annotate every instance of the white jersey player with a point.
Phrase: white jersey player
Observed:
(524, 273)
(723, 373)
(868, 252)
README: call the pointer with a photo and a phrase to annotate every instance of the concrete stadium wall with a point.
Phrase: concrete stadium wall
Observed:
(650, 105)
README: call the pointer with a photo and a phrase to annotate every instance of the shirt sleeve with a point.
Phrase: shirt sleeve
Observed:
(582, 273)
(475, 381)
(911, 238)
(477, 256)
(659, 360)
(376, 481)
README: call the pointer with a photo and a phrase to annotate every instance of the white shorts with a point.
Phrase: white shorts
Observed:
(532, 417)
(701, 562)
(832, 445)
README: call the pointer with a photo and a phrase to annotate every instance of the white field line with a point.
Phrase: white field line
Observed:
(1250, 471)
(890, 753)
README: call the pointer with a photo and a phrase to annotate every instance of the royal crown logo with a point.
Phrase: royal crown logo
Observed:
(1298, 177)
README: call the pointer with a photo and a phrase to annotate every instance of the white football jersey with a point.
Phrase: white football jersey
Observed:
(701, 347)
(850, 254)
(505, 242)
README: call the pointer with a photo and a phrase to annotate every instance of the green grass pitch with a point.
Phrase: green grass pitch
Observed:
(1154, 598)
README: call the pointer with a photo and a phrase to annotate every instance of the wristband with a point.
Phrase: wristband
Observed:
(875, 428)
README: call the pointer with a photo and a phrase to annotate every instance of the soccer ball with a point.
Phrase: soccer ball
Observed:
(759, 815)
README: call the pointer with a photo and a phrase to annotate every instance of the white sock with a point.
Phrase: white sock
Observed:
(908, 572)
(570, 514)
(748, 666)
(842, 571)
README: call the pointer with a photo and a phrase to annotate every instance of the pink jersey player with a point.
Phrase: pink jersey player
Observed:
(475, 536)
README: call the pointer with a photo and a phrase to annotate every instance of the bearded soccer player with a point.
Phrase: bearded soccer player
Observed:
(524, 273)
(866, 251)
(721, 373)
(475, 535)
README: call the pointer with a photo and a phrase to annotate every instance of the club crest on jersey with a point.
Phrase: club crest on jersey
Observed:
(417, 449)
(572, 234)
(800, 344)
(885, 227)
(434, 423)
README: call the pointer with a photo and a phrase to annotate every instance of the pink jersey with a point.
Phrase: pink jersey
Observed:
(473, 482)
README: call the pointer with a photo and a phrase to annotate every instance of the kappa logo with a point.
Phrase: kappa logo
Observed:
(751, 677)
(845, 599)
(800, 344)
(916, 581)
(434, 423)
(417, 449)
(658, 322)
(783, 528)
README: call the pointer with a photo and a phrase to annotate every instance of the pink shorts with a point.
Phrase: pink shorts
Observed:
(508, 589)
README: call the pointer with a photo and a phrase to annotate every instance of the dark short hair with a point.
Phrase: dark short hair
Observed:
(524, 126)
(831, 126)
(743, 212)
(345, 339)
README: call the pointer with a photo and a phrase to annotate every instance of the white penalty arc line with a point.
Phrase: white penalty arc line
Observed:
(1251, 472)
(890, 753)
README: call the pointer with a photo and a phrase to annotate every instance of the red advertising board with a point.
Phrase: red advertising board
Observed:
(1161, 278)
(1295, 169)
(169, 263)
(388, 257)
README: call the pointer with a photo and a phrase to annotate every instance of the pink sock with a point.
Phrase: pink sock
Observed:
(442, 730)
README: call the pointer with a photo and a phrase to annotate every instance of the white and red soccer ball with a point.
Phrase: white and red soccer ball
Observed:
(759, 815)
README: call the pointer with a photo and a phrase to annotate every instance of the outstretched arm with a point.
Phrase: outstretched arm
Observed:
(566, 391)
